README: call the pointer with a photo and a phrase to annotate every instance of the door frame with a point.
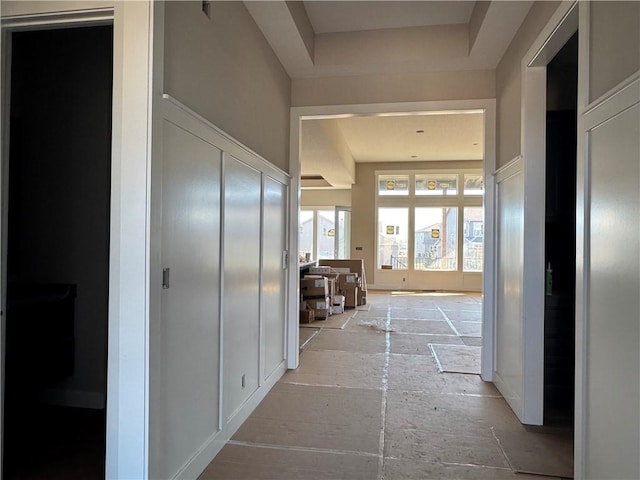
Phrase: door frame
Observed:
(128, 324)
(488, 106)
(336, 239)
(558, 30)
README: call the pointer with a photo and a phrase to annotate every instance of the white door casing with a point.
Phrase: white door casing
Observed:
(127, 372)
(488, 106)
(558, 30)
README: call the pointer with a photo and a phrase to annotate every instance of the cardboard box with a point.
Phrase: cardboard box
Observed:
(314, 286)
(320, 270)
(307, 314)
(354, 266)
(321, 306)
(331, 279)
(337, 309)
(319, 303)
(349, 280)
(342, 269)
(351, 297)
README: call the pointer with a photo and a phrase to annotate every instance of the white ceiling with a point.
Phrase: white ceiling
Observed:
(348, 16)
(414, 137)
(318, 38)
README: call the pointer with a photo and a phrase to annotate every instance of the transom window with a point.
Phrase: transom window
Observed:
(393, 185)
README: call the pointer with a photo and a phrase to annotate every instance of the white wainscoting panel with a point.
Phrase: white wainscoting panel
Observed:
(508, 361)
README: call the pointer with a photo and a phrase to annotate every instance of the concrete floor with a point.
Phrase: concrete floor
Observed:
(366, 404)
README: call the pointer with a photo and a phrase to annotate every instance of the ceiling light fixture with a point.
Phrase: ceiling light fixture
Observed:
(419, 131)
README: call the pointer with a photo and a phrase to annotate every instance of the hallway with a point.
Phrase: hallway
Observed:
(366, 404)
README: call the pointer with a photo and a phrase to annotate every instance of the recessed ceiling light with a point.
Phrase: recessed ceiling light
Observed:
(475, 144)
(419, 131)
(414, 156)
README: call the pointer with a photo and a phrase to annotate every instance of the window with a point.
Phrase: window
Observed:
(393, 234)
(397, 185)
(473, 251)
(319, 235)
(436, 184)
(444, 211)
(343, 233)
(306, 235)
(473, 184)
(326, 233)
(436, 238)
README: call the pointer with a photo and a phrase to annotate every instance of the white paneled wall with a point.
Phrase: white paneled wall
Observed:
(274, 232)
(508, 363)
(221, 334)
(607, 424)
(242, 212)
(189, 363)
(613, 354)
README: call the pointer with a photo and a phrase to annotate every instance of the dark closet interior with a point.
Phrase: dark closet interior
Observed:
(560, 235)
(58, 253)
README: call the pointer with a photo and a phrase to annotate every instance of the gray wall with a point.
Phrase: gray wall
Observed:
(325, 198)
(408, 87)
(224, 69)
(614, 45)
(508, 82)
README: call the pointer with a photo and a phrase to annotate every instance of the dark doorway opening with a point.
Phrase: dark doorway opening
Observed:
(58, 226)
(560, 235)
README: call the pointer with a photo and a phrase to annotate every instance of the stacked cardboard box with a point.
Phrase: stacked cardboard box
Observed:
(317, 293)
(331, 287)
(320, 306)
(355, 266)
(314, 286)
(349, 286)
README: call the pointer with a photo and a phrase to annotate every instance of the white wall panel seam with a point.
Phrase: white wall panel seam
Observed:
(288, 286)
(221, 405)
(261, 338)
